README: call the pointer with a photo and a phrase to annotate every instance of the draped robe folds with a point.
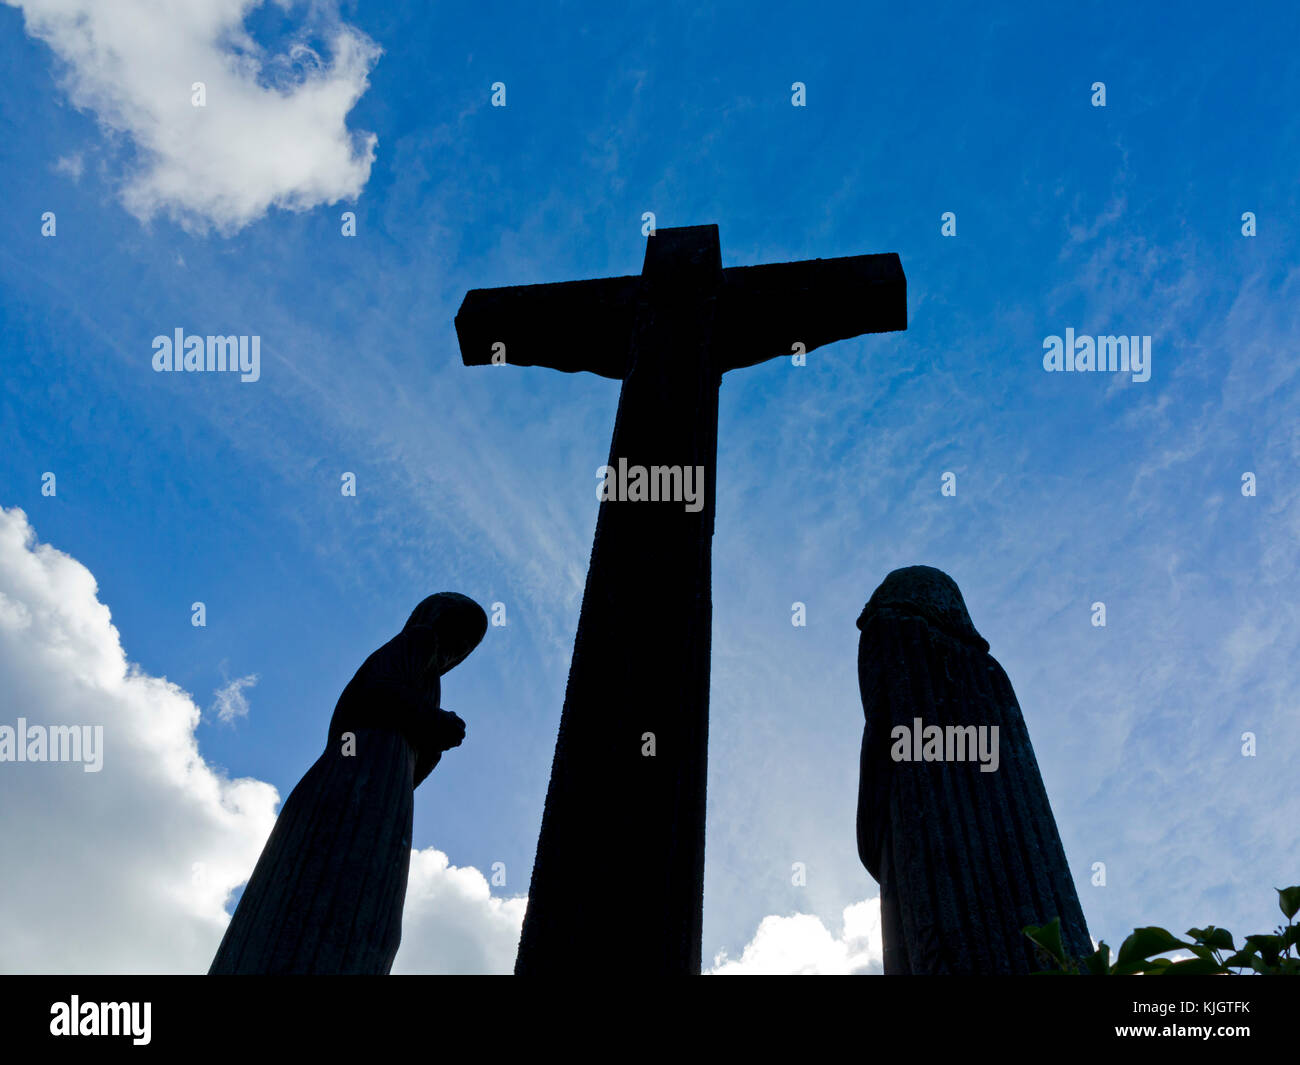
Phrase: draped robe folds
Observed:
(965, 859)
(327, 893)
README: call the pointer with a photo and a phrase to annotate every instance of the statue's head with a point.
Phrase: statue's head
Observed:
(447, 627)
(927, 593)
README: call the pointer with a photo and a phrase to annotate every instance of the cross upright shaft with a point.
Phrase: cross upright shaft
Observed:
(621, 849)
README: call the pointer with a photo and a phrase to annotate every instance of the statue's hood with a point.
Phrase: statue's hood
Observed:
(451, 625)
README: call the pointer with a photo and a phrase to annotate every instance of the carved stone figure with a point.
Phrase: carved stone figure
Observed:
(953, 820)
(327, 893)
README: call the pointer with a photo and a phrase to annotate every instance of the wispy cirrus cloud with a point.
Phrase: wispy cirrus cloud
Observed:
(230, 700)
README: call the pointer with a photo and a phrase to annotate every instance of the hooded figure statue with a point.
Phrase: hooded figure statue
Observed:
(964, 846)
(327, 893)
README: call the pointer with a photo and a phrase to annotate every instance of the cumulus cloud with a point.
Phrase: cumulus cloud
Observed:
(272, 131)
(127, 869)
(452, 922)
(801, 945)
(130, 869)
(230, 700)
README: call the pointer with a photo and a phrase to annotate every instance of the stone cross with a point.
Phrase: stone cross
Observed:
(620, 857)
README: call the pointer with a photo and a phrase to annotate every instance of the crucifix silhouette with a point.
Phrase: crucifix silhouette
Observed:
(620, 858)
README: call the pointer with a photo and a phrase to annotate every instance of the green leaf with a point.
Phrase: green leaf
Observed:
(1098, 962)
(1241, 960)
(1215, 938)
(1142, 944)
(1048, 937)
(1269, 947)
(1289, 900)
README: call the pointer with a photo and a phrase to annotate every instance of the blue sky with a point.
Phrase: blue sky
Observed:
(1071, 488)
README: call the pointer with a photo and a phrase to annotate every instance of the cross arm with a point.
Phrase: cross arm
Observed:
(766, 310)
(569, 325)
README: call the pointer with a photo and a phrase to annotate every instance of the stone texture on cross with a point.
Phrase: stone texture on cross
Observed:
(620, 856)
(327, 893)
(965, 859)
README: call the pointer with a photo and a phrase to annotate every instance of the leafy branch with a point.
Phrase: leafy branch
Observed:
(1213, 950)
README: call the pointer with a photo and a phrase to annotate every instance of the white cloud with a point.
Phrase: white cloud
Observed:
(231, 702)
(272, 133)
(70, 165)
(801, 945)
(130, 869)
(453, 924)
(127, 869)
